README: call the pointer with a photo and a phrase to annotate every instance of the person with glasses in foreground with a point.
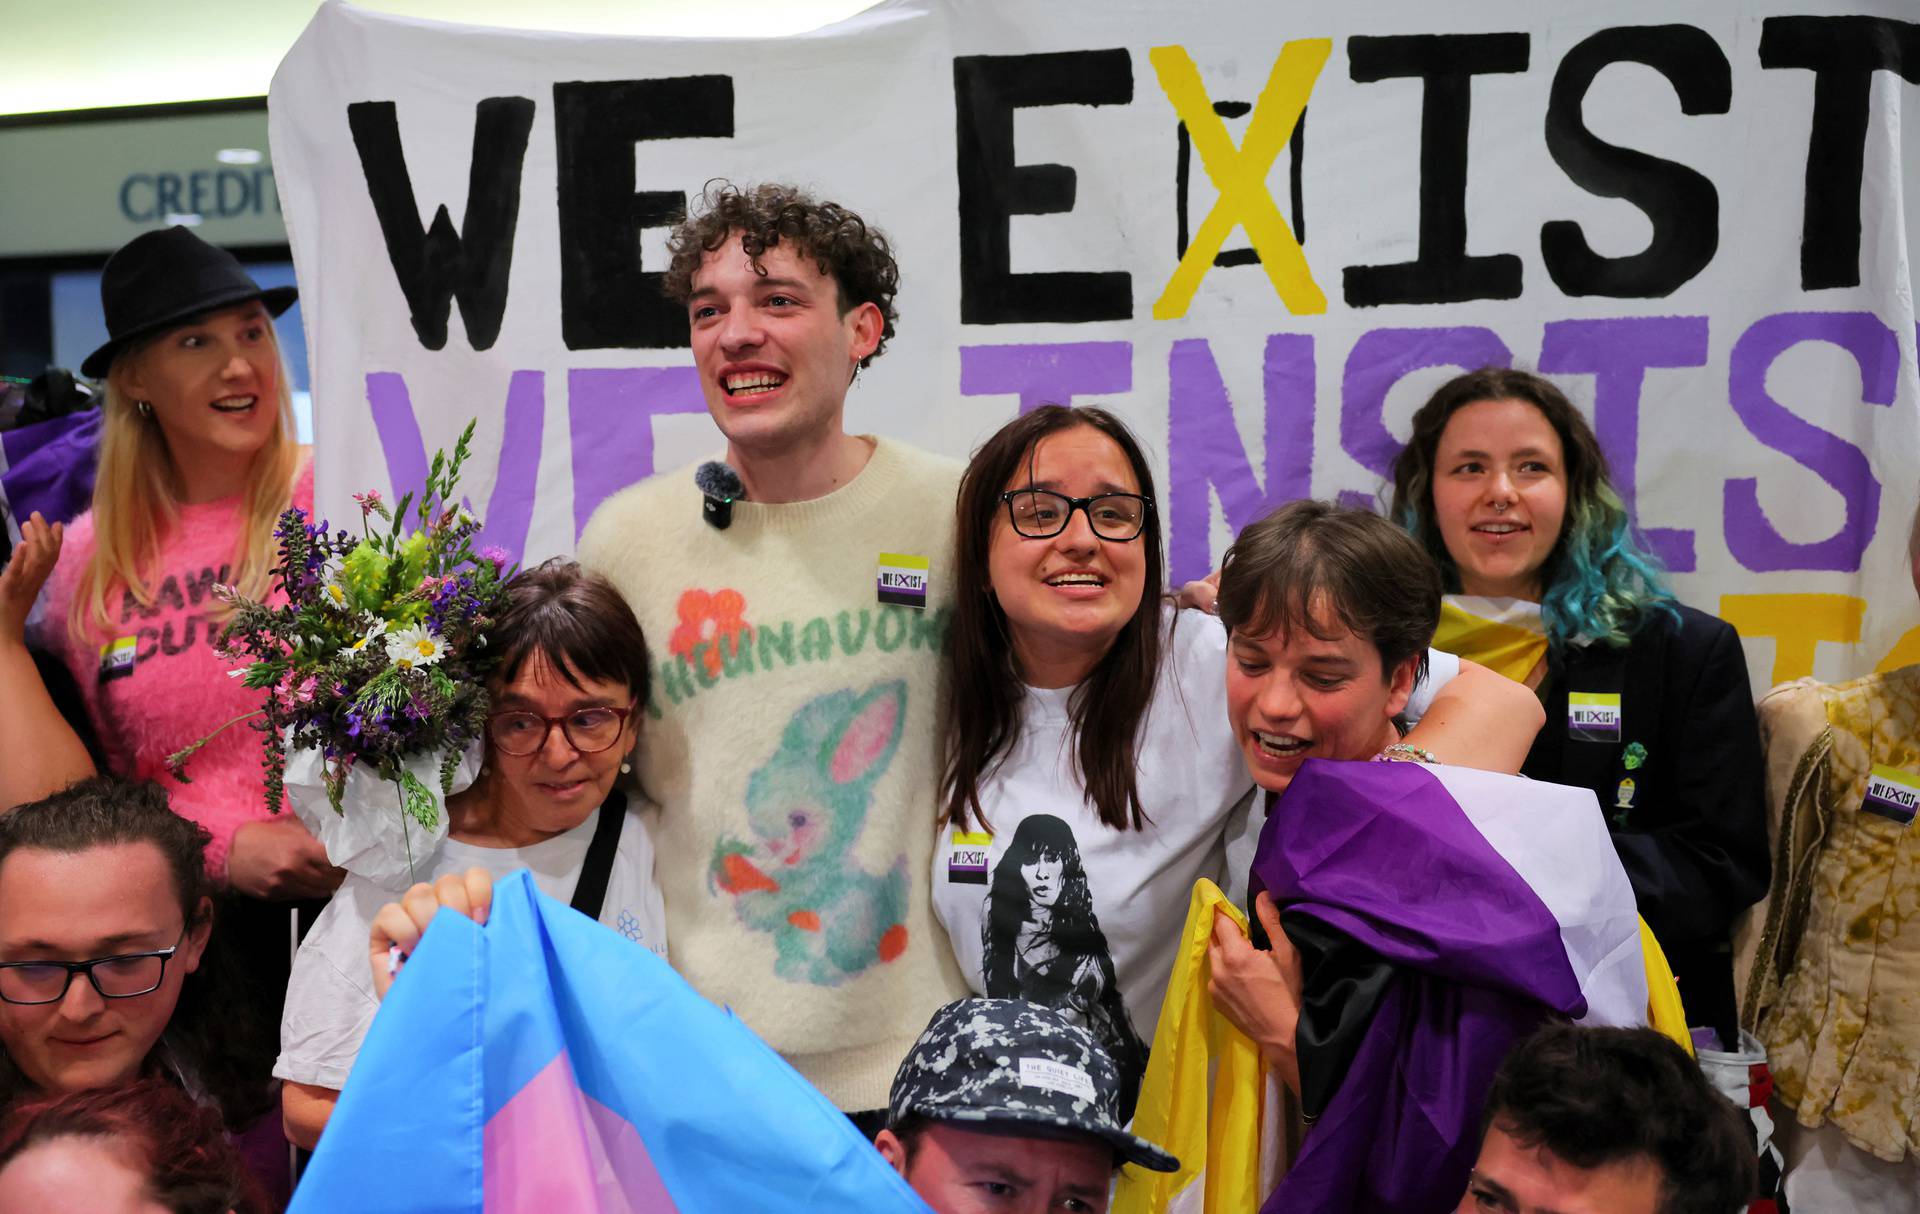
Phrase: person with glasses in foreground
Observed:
(567, 702)
(108, 967)
(1090, 772)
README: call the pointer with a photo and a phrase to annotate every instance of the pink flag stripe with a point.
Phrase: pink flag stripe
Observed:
(553, 1148)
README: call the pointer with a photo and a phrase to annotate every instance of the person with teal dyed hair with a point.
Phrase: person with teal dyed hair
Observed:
(1647, 699)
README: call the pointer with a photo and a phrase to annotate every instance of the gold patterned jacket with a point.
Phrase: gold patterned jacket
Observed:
(1832, 958)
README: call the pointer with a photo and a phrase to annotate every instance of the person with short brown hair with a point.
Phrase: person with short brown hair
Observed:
(841, 245)
(802, 617)
(1310, 563)
(1607, 1121)
(566, 705)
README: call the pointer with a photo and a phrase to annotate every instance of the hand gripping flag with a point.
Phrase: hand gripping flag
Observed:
(544, 1065)
(1206, 1090)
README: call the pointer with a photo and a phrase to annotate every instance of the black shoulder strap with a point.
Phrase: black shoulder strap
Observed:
(591, 892)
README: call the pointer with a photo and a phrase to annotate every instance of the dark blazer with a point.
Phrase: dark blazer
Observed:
(1691, 830)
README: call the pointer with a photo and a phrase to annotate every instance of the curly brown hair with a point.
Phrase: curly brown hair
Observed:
(856, 255)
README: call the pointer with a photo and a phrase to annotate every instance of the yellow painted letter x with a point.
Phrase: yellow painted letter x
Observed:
(1240, 174)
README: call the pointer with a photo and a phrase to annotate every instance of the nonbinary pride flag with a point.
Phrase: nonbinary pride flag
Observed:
(543, 1064)
(1442, 914)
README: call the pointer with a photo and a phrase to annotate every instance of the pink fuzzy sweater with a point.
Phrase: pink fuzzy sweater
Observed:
(176, 689)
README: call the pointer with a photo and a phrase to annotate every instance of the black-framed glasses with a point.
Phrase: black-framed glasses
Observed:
(587, 730)
(121, 976)
(1040, 514)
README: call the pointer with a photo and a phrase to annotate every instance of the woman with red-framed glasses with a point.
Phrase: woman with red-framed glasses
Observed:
(567, 704)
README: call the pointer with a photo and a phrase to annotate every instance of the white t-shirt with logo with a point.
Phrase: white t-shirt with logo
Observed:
(330, 1000)
(1102, 944)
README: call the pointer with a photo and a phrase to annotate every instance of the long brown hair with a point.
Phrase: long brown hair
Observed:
(1599, 581)
(984, 688)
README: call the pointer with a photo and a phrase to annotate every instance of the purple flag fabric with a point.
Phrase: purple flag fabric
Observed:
(1441, 873)
(49, 466)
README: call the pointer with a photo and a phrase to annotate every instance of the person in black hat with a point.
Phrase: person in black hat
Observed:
(197, 460)
(1007, 1106)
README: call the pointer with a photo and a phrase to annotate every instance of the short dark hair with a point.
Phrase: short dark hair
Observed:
(102, 811)
(214, 1035)
(1598, 1096)
(578, 622)
(1371, 576)
(180, 1146)
(856, 255)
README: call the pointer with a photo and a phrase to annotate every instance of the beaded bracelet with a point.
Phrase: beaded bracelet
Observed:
(1404, 752)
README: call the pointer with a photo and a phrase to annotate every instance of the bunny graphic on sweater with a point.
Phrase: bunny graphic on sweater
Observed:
(798, 879)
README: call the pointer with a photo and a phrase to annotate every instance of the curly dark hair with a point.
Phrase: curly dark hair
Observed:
(181, 1148)
(856, 255)
(1598, 1096)
(215, 1039)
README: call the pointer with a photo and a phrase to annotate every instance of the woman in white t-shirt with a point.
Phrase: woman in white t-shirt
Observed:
(1077, 693)
(566, 704)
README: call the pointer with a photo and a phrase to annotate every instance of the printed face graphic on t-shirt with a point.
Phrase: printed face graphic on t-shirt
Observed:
(1043, 880)
(1041, 941)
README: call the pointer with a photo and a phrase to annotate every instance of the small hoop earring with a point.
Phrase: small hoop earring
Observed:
(145, 408)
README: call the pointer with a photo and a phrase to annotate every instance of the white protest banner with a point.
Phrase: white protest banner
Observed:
(1262, 233)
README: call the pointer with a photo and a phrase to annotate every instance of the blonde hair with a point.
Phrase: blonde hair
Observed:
(136, 495)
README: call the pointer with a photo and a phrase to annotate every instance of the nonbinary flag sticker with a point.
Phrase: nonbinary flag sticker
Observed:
(967, 860)
(903, 579)
(117, 657)
(1892, 793)
(1593, 716)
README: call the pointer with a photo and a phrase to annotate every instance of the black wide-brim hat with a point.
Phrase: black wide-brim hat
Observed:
(161, 279)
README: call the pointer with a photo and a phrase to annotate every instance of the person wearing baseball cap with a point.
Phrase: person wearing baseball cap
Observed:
(1007, 1106)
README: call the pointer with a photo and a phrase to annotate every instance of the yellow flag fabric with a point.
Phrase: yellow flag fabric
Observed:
(1216, 1134)
(1664, 1011)
(1504, 635)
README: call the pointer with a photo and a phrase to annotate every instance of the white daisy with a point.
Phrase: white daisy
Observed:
(376, 628)
(416, 646)
(336, 596)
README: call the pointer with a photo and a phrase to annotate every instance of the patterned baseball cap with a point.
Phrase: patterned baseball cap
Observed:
(1008, 1061)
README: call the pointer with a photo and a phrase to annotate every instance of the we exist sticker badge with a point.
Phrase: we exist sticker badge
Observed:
(903, 579)
(1892, 793)
(967, 862)
(1593, 716)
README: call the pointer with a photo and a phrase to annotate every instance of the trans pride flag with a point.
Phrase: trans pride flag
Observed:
(544, 1065)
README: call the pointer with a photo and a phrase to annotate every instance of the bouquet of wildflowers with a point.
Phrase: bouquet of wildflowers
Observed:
(378, 657)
